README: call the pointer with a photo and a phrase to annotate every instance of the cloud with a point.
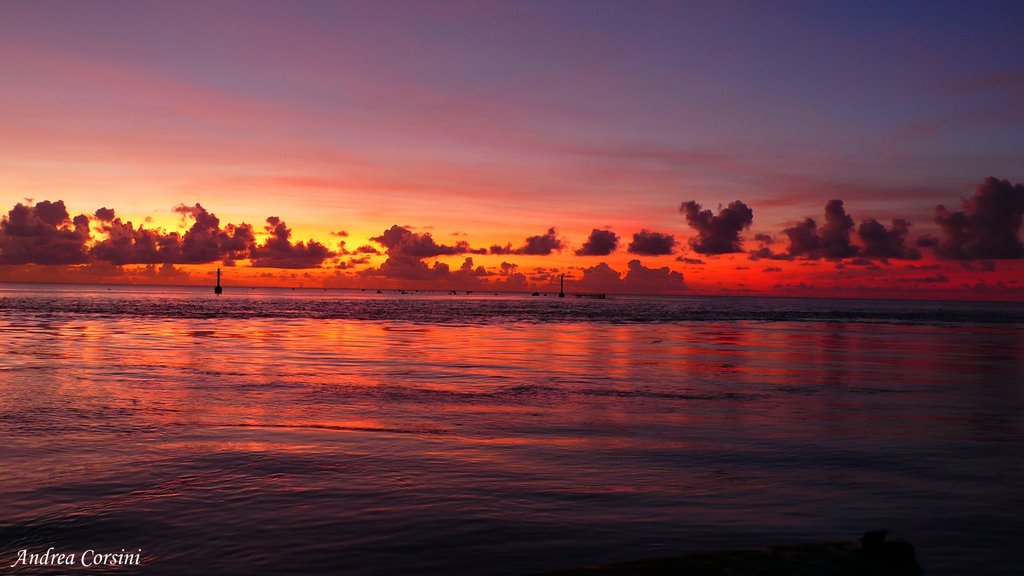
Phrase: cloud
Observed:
(502, 250)
(600, 243)
(407, 249)
(105, 214)
(986, 227)
(165, 272)
(406, 268)
(438, 274)
(468, 269)
(648, 243)
(638, 279)
(685, 260)
(354, 261)
(765, 249)
(600, 277)
(125, 244)
(835, 234)
(541, 245)
(832, 240)
(367, 249)
(43, 234)
(717, 234)
(401, 241)
(204, 242)
(886, 244)
(278, 251)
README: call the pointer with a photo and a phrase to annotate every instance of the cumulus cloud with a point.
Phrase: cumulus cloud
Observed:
(204, 242)
(832, 240)
(885, 244)
(764, 250)
(717, 234)
(987, 226)
(600, 243)
(835, 234)
(401, 241)
(437, 274)
(648, 243)
(43, 233)
(407, 249)
(600, 277)
(638, 279)
(125, 244)
(278, 251)
(541, 245)
(367, 249)
(405, 268)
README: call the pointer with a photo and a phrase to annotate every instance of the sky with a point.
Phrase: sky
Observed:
(662, 147)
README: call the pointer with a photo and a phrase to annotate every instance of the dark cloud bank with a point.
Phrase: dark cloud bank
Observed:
(541, 245)
(985, 228)
(648, 243)
(45, 233)
(717, 234)
(599, 243)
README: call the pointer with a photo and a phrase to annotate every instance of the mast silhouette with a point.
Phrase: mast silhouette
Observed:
(561, 287)
(217, 289)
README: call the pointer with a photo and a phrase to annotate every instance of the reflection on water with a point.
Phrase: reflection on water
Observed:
(248, 441)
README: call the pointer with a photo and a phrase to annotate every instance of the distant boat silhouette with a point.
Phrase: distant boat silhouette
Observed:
(218, 289)
(561, 289)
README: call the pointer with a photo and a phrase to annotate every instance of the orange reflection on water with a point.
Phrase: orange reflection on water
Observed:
(423, 429)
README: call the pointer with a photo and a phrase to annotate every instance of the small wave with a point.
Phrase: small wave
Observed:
(478, 311)
(339, 427)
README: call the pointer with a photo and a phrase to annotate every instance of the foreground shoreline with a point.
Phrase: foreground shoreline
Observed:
(872, 555)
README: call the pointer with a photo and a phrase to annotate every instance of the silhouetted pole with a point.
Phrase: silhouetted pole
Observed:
(217, 289)
(561, 288)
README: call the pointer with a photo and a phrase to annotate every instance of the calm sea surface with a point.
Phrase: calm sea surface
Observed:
(288, 432)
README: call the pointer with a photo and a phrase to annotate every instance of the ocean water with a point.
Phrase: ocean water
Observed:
(292, 432)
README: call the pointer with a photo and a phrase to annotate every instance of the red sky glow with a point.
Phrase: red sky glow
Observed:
(634, 147)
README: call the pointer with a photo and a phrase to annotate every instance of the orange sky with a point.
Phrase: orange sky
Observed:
(491, 124)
